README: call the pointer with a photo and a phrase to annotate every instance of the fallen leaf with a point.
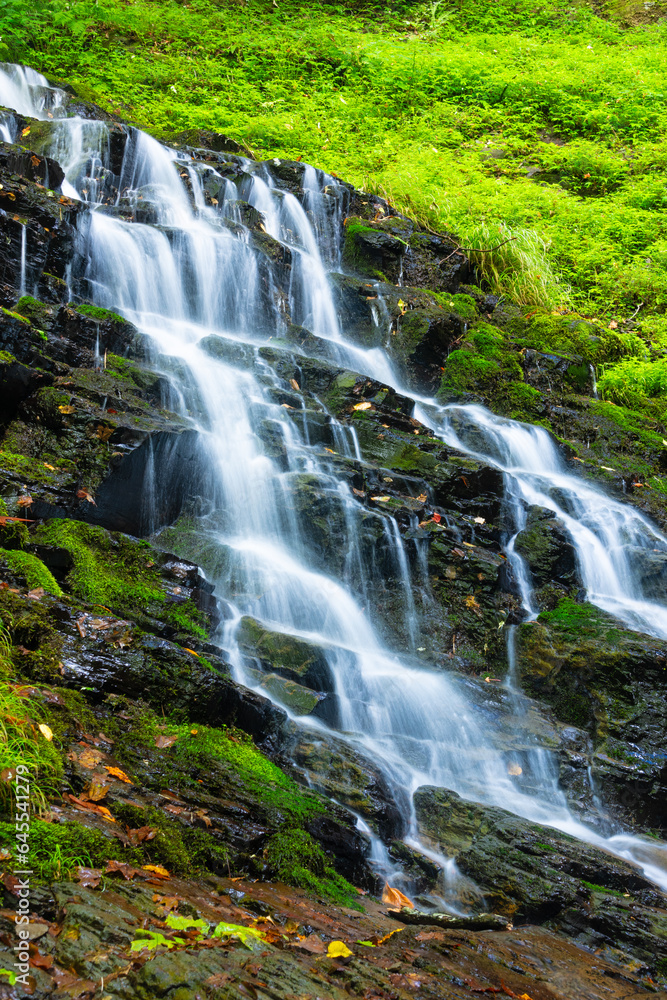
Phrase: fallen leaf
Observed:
(514, 769)
(85, 495)
(89, 807)
(116, 772)
(123, 868)
(358, 493)
(157, 870)
(395, 898)
(89, 878)
(24, 501)
(295, 385)
(141, 834)
(165, 741)
(26, 131)
(219, 979)
(97, 790)
(67, 409)
(437, 518)
(362, 406)
(422, 498)
(613, 325)
(46, 732)
(381, 499)
(313, 944)
(191, 651)
(166, 902)
(338, 949)
(36, 594)
(425, 936)
(480, 520)
(88, 757)
(41, 961)
(103, 432)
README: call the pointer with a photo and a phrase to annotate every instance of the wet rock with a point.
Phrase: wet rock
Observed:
(546, 549)
(287, 655)
(333, 767)
(600, 676)
(533, 873)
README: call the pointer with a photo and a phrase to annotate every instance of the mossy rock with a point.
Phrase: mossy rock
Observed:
(286, 655)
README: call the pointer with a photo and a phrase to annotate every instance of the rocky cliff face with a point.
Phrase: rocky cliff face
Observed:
(160, 758)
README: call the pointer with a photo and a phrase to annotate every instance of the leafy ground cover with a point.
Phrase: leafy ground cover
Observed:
(536, 125)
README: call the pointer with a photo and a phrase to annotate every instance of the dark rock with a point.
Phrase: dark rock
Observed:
(534, 873)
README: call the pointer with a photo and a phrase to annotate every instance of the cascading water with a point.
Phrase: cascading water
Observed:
(181, 266)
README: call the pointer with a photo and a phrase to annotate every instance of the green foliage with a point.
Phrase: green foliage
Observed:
(114, 570)
(296, 859)
(32, 569)
(102, 315)
(540, 122)
(631, 378)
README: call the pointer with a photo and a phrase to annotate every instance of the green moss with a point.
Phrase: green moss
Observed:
(7, 358)
(14, 315)
(116, 571)
(297, 860)
(101, 315)
(463, 305)
(57, 848)
(38, 313)
(181, 849)
(276, 790)
(409, 456)
(579, 619)
(32, 569)
(601, 888)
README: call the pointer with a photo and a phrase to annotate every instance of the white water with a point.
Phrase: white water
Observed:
(189, 276)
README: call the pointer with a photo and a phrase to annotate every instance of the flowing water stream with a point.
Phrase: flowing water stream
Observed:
(182, 266)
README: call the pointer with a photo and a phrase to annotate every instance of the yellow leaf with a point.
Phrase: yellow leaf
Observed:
(157, 870)
(26, 131)
(295, 385)
(514, 769)
(337, 949)
(116, 772)
(66, 409)
(45, 731)
(51, 467)
(395, 898)
(362, 406)
(422, 498)
(191, 651)
(381, 499)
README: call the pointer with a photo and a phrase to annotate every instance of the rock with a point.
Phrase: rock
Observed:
(547, 549)
(532, 873)
(287, 655)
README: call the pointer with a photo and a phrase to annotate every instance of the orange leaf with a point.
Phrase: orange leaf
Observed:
(157, 870)
(24, 501)
(436, 518)
(395, 898)
(116, 772)
(165, 741)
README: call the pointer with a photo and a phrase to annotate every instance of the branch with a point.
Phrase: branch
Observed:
(477, 249)
(476, 922)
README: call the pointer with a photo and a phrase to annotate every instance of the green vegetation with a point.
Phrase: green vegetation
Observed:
(32, 569)
(297, 860)
(99, 314)
(114, 570)
(539, 124)
(21, 740)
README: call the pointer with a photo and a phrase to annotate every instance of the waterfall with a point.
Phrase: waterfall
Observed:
(183, 269)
